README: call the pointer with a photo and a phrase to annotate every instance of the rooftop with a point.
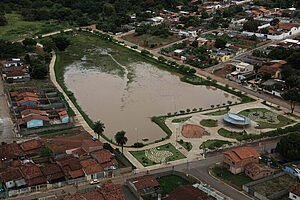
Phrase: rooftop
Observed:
(242, 153)
(144, 182)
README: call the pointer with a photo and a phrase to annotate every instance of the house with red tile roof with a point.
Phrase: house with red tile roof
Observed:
(257, 171)
(107, 191)
(143, 185)
(30, 112)
(90, 145)
(71, 167)
(32, 174)
(92, 169)
(272, 69)
(105, 158)
(188, 192)
(237, 159)
(53, 173)
(12, 178)
(32, 147)
(11, 151)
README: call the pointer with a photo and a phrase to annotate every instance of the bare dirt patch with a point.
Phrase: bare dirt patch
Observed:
(193, 131)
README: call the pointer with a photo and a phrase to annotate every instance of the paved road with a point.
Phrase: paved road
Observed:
(6, 125)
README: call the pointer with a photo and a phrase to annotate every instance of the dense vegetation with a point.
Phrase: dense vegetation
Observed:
(109, 15)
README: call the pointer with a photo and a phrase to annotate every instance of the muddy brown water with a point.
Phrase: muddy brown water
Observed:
(129, 107)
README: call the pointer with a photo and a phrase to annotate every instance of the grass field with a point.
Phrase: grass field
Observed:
(170, 182)
(236, 180)
(150, 41)
(230, 134)
(187, 145)
(209, 122)
(144, 160)
(213, 144)
(181, 120)
(17, 28)
(266, 118)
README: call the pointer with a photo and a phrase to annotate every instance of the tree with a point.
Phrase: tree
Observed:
(289, 146)
(251, 25)
(61, 42)
(46, 152)
(121, 139)
(98, 128)
(220, 43)
(293, 96)
(274, 22)
(3, 20)
(294, 60)
(204, 15)
(29, 42)
(38, 70)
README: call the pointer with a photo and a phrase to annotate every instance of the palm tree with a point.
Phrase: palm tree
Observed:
(121, 139)
(98, 128)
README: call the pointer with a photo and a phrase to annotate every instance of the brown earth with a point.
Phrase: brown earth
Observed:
(193, 131)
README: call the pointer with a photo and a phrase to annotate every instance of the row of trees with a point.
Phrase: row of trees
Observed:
(120, 136)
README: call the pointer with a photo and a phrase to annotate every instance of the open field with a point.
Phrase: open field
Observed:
(160, 154)
(17, 28)
(266, 118)
(150, 41)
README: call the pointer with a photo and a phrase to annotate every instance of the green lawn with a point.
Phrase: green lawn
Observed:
(237, 180)
(181, 120)
(209, 122)
(213, 144)
(218, 112)
(231, 134)
(17, 28)
(170, 183)
(142, 158)
(266, 118)
(187, 145)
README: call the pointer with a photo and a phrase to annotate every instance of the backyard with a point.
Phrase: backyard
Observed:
(170, 182)
(266, 118)
(17, 28)
(236, 181)
(160, 154)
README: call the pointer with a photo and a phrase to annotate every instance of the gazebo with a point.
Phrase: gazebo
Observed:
(237, 120)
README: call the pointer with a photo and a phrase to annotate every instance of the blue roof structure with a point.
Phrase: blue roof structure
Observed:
(236, 119)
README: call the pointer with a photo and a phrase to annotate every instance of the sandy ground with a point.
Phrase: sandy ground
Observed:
(193, 131)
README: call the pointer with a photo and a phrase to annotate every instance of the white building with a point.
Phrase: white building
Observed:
(295, 193)
(280, 32)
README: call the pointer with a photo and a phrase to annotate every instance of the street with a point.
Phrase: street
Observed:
(6, 125)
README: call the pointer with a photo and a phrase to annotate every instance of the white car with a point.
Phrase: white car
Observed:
(94, 181)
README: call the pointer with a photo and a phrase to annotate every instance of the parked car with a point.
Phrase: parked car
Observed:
(94, 181)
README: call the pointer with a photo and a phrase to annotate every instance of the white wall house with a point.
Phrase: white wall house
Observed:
(283, 35)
